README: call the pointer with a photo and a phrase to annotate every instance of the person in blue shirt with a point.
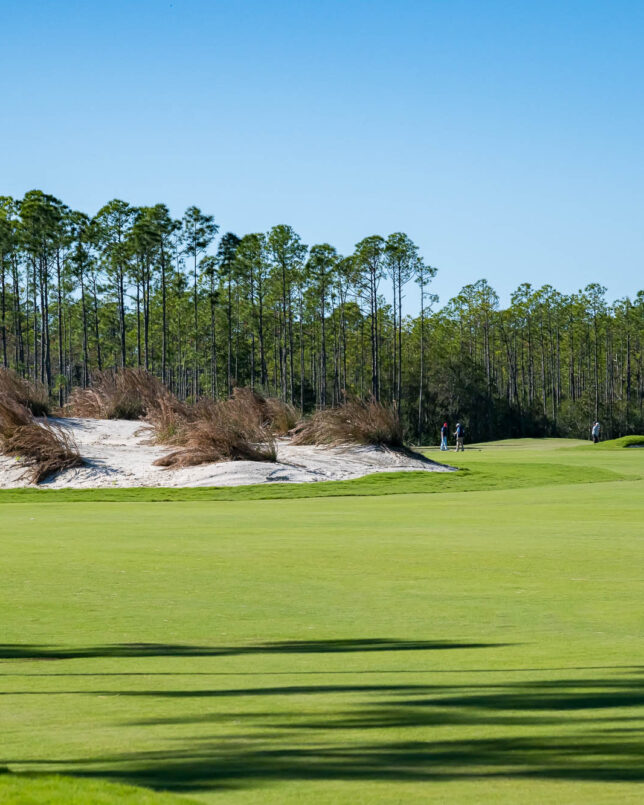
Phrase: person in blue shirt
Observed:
(460, 435)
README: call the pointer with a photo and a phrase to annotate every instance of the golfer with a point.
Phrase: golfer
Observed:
(594, 432)
(460, 435)
(444, 432)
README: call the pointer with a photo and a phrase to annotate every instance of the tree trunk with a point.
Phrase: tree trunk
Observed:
(85, 344)
(323, 346)
(164, 320)
(421, 368)
(60, 329)
(99, 354)
(195, 379)
(3, 310)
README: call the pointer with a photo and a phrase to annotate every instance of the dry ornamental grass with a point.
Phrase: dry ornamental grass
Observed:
(42, 449)
(227, 430)
(240, 428)
(32, 395)
(354, 422)
(279, 416)
(121, 394)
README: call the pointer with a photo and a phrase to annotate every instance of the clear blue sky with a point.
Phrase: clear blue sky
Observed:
(505, 138)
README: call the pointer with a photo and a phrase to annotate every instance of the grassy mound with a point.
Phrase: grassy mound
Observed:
(42, 449)
(623, 441)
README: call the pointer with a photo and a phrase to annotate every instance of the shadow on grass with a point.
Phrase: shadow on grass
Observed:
(584, 740)
(20, 651)
(550, 756)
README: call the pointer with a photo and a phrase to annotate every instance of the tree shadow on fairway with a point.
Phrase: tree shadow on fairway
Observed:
(20, 651)
(546, 757)
(564, 729)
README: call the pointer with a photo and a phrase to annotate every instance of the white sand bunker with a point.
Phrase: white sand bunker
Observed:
(117, 454)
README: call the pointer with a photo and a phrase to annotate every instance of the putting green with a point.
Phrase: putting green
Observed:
(470, 643)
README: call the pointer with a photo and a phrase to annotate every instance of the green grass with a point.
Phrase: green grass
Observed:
(624, 441)
(491, 475)
(50, 789)
(478, 645)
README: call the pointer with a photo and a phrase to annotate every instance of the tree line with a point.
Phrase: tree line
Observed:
(135, 287)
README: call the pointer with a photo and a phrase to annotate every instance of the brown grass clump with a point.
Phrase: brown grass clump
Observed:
(282, 416)
(167, 416)
(85, 403)
(354, 422)
(124, 394)
(279, 416)
(229, 430)
(43, 449)
(31, 394)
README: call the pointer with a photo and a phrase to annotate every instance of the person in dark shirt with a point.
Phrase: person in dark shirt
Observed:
(444, 432)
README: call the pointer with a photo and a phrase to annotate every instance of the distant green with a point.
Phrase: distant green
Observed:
(366, 645)
(624, 441)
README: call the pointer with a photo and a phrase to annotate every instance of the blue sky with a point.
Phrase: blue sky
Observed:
(505, 138)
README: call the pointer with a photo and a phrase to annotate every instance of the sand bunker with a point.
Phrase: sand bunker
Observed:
(117, 454)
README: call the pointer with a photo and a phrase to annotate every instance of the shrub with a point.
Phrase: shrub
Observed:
(31, 394)
(85, 403)
(279, 416)
(283, 417)
(354, 422)
(122, 394)
(167, 416)
(229, 430)
(43, 449)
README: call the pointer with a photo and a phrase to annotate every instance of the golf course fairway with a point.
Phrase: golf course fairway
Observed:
(473, 637)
